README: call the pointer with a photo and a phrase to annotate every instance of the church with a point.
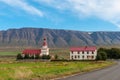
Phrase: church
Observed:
(32, 52)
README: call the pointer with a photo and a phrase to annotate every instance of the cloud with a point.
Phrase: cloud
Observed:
(21, 4)
(108, 10)
(59, 4)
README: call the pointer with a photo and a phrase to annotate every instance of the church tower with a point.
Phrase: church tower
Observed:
(44, 49)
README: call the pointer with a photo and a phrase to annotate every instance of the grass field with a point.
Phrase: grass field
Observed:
(8, 53)
(62, 53)
(13, 70)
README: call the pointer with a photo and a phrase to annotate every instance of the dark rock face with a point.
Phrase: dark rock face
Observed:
(57, 38)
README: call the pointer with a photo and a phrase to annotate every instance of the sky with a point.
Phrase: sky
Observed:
(81, 15)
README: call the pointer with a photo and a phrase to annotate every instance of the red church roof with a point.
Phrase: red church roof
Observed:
(31, 51)
(86, 48)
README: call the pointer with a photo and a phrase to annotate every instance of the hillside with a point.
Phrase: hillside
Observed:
(25, 37)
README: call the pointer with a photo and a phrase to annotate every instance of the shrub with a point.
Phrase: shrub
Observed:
(37, 56)
(46, 56)
(32, 57)
(26, 56)
(19, 56)
(56, 57)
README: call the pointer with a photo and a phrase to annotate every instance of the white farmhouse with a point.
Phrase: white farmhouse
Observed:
(83, 53)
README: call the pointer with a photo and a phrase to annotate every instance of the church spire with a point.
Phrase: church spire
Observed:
(44, 43)
(44, 49)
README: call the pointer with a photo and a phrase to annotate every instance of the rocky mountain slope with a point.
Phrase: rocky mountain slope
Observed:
(57, 38)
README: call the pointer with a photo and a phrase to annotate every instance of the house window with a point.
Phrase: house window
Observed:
(92, 57)
(92, 52)
(87, 56)
(72, 52)
(82, 56)
(78, 56)
(82, 52)
(75, 56)
(71, 57)
(87, 52)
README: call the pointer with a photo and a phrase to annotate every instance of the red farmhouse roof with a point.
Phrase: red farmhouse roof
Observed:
(86, 48)
(31, 51)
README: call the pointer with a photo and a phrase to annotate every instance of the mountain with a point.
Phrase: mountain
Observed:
(33, 37)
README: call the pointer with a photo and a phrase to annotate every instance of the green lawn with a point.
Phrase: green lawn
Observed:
(13, 70)
(8, 53)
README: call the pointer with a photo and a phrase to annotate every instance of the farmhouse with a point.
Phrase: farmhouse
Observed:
(32, 52)
(83, 53)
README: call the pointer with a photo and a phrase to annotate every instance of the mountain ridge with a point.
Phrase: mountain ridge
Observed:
(57, 38)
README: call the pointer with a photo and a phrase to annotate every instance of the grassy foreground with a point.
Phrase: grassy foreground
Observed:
(12, 70)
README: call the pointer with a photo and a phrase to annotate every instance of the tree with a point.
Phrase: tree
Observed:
(101, 56)
(115, 53)
(102, 49)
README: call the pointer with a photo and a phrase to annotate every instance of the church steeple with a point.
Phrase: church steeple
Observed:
(44, 43)
(44, 49)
